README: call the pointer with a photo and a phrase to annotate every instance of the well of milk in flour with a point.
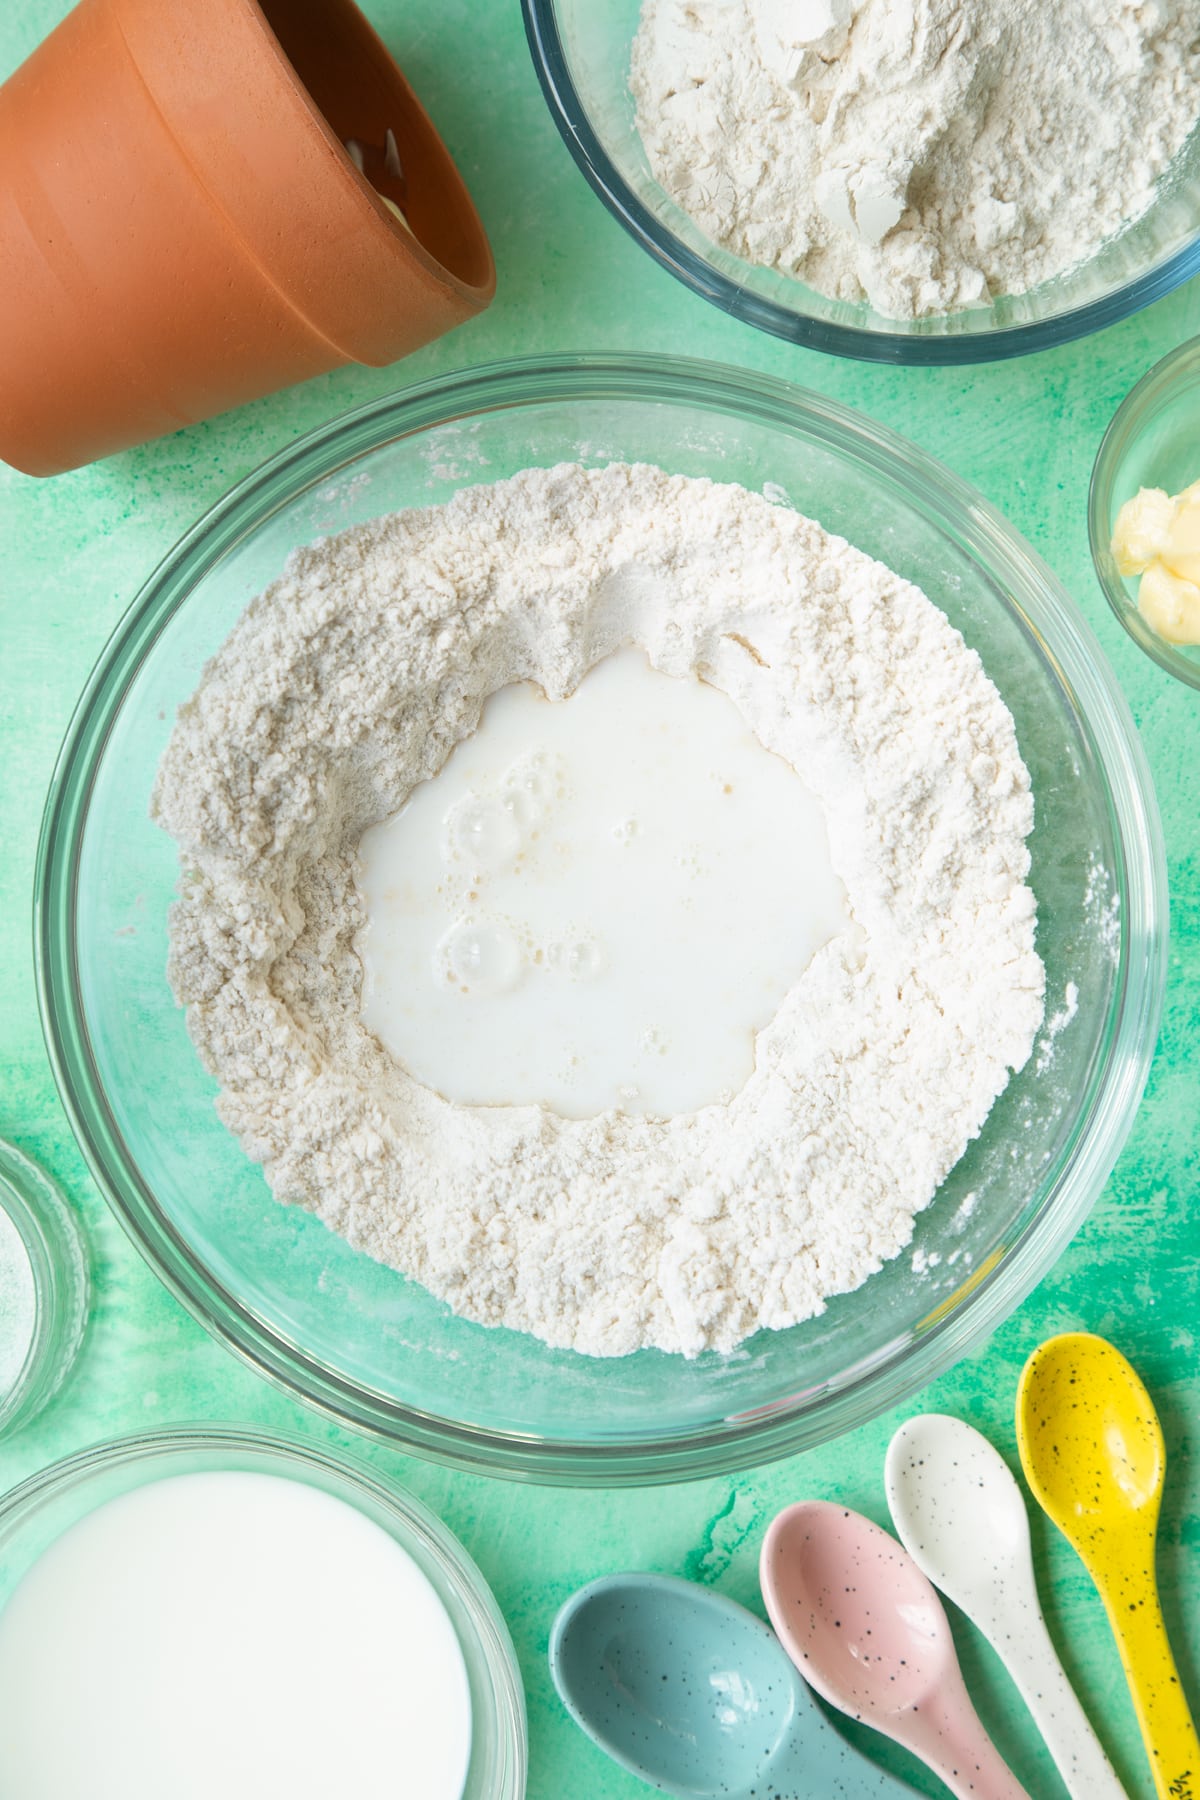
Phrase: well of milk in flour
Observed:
(230, 1634)
(595, 903)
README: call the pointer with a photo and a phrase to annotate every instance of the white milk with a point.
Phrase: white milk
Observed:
(595, 903)
(233, 1635)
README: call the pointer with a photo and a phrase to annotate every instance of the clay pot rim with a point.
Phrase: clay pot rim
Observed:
(406, 242)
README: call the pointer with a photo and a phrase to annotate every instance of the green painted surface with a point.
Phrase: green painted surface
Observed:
(74, 551)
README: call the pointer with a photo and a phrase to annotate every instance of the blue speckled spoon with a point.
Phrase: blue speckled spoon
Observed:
(695, 1695)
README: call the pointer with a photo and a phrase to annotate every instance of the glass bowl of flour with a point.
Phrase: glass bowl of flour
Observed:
(966, 184)
(562, 1315)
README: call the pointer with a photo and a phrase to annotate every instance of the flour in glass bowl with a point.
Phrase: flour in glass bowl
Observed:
(925, 155)
(351, 680)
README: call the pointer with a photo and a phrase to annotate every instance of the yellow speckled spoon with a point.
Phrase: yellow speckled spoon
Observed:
(1092, 1450)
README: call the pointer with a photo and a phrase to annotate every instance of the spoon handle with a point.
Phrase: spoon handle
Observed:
(1032, 1661)
(1158, 1700)
(949, 1736)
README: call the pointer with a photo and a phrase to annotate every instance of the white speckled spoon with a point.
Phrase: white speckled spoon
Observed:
(959, 1514)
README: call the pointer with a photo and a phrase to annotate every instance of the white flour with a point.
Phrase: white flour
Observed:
(925, 154)
(350, 680)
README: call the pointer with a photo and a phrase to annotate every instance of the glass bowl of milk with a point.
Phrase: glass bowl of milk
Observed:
(43, 1289)
(375, 1349)
(206, 1611)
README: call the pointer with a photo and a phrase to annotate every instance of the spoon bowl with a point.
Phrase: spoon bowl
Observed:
(1092, 1449)
(870, 1630)
(865, 1627)
(955, 1504)
(1090, 1440)
(692, 1693)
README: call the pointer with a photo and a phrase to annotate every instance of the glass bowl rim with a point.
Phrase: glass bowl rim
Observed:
(862, 343)
(469, 1600)
(1122, 428)
(779, 1429)
(58, 1260)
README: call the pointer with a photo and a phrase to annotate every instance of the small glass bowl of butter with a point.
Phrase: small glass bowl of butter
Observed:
(1144, 513)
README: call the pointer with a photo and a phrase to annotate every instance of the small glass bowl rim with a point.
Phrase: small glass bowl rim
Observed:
(861, 343)
(54, 1243)
(469, 1601)
(1141, 400)
(779, 1429)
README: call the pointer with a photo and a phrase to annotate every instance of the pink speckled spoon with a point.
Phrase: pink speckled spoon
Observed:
(867, 1631)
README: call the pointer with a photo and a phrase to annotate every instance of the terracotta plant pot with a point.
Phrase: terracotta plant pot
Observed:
(183, 229)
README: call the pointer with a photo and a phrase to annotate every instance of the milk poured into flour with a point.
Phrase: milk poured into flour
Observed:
(595, 903)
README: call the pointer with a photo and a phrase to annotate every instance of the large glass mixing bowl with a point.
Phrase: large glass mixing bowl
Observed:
(581, 50)
(377, 1350)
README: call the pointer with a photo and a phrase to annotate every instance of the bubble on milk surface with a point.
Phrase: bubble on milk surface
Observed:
(584, 959)
(530, 786)
(579, 956)
(482, 832)
(481, 956)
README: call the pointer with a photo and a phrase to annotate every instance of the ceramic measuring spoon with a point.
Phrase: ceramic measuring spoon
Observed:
(692, 1693)
(960, 1515)
(1092, 1450)
(863, 1625)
